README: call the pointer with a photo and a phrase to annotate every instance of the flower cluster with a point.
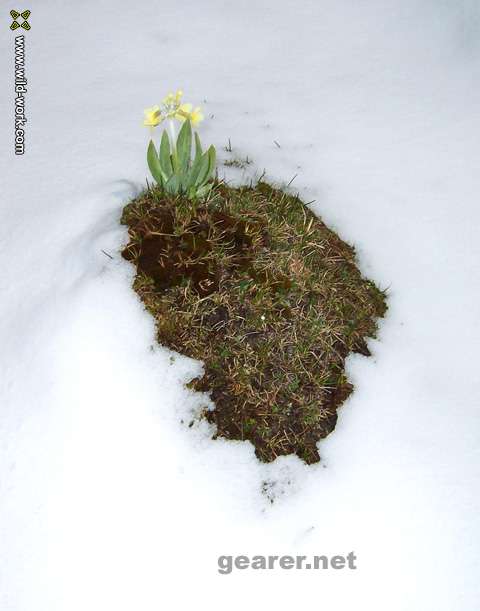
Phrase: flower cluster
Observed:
(172, 108)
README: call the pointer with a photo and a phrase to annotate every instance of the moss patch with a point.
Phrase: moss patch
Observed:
(270, 299)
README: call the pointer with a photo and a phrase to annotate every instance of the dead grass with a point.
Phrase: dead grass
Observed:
(257, 287)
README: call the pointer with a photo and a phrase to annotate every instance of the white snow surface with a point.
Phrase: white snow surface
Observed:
(108, 501)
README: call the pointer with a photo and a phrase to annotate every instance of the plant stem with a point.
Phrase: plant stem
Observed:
(173, 136)
(173, 143)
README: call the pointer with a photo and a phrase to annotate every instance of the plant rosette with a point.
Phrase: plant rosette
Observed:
(172, 166)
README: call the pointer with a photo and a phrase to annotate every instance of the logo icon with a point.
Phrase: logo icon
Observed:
(15, 23)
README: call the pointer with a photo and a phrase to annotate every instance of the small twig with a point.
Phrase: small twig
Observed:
(106, 253)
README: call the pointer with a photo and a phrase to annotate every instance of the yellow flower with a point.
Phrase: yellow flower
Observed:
(153, 116)
(196, 116)
(168, 99)
(183, 112)
(171, 103)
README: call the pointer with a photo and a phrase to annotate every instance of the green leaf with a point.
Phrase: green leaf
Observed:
(195, 167)
(198, 147)
(164, 155)
(184, 145)
(154, 165)
(212, 158)
(175, 165)
(207, 167)
(173, 184)
(182, 182)
(194, 170)
(203, 170)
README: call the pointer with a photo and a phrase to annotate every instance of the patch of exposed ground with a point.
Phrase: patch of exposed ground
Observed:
(270, 299)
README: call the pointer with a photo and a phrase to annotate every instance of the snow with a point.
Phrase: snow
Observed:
(108, 501)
